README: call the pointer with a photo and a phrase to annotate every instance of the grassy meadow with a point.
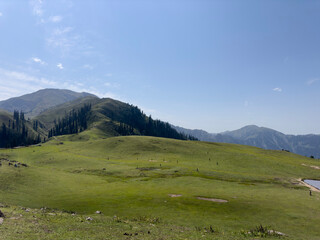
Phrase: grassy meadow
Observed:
(148, 188)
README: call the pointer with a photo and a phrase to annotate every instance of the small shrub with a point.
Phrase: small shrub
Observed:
(261, 231)
(209, 229)
(147, 219)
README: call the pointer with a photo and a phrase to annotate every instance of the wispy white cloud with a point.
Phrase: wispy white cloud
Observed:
(64, 40)
(277, 89)
(312, 81)
(79, 87)
(17, 83)
(1, 14)
(59, 65)
(25, 77)
(55, 19)
(88, 66)
(14, 83)
(113, 85)
(38, 60)
(109, 75)
(61, 31)
(37, 7)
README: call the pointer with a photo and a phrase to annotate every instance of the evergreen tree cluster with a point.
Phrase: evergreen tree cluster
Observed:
(74, 122)
(124, 129)
(158, 128)
(37, 124)
(133, 121)
(16, 133)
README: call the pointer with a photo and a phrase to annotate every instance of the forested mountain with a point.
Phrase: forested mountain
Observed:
(307, 145)
(132, 121)
(109, 117)
(34, 103)
(16, 130)
(73, 122)
(48, 116)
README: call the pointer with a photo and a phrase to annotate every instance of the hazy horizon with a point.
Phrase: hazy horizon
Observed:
(211, 65)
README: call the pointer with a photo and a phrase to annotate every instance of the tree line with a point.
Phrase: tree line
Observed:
(134, 122)
(16, 132)
(74, 122)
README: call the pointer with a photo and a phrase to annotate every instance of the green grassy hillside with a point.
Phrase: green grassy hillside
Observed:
(154, 184)
(5, 116)
(108, 117)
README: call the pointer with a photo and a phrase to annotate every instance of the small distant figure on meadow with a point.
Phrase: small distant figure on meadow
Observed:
(310, 192)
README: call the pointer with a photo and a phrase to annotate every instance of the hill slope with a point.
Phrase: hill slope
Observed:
(262, 137)
(107, 117)
(34, 103)
(169, 186)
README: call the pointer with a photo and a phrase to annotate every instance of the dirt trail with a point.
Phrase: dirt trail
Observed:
(213, 199)
(175, 195)
(312, 166)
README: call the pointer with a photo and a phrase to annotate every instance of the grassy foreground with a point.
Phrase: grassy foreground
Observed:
(153, 185)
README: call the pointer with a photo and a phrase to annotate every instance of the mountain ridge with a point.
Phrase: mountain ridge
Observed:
(267, 138)
(111, 118)
(33, 104)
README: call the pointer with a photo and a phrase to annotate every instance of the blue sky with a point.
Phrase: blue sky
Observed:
(205, 64)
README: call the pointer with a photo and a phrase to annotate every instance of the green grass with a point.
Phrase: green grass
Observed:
(131, 177)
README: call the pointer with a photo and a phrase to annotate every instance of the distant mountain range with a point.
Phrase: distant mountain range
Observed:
(307, 145)
(34, 103)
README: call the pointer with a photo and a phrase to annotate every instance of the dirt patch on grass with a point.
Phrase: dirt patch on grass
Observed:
(312, 166)
(175, 195)
(212, 199)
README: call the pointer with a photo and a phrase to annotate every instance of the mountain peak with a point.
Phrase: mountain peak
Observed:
(263, 137)
(252, 126)
(34, 103)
